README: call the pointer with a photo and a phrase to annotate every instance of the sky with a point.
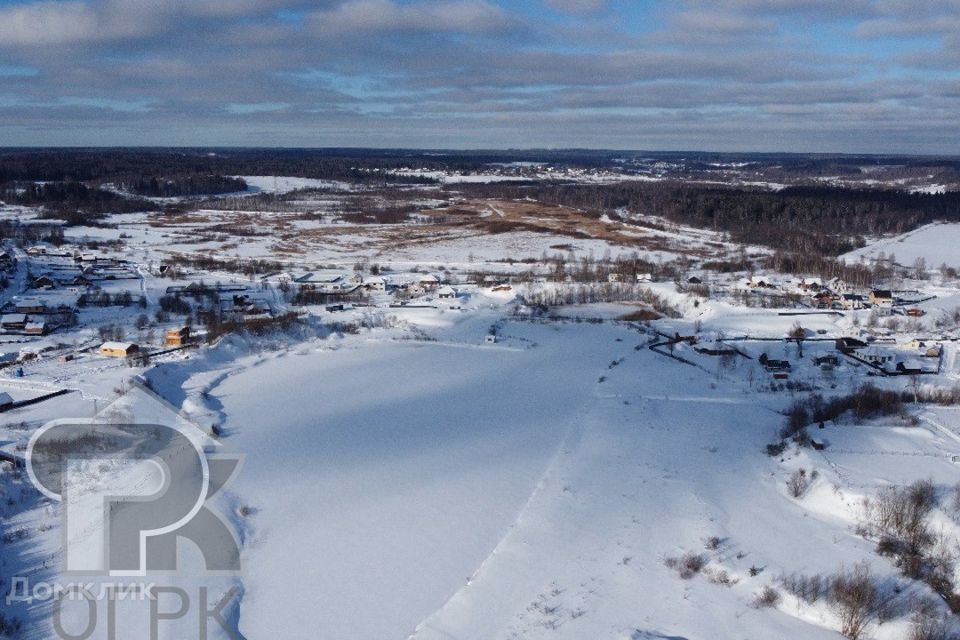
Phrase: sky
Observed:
(832, 76)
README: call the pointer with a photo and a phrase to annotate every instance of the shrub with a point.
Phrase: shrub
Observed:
(687, 566)
(776, 449)
(798, 483)
(768, 597)
(927, 628)
(808, 588)
(854, 597)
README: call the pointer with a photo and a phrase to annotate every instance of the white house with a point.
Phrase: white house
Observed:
(446, 293)
(375, 283)
(876, 356)
(429, 281)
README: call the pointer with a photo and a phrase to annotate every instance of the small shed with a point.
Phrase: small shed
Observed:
(490, 339)
(118, 349)
(446, 293)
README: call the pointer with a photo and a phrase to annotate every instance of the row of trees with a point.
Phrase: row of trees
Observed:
(806, 220)
(193, 184)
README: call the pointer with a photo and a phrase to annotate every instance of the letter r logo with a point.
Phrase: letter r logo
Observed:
(129, 492)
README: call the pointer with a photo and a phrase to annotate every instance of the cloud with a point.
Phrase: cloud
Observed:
(466, 73)
(372, 16)
(582, 7)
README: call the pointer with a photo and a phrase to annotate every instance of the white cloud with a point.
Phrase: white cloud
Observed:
(578, 6)
(366, 16)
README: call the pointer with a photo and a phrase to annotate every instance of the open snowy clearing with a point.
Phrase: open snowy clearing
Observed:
(935, 243)
(532, 489)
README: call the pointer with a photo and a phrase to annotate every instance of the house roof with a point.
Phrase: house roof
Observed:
(117, 346)
(23, 302)
(13, 318)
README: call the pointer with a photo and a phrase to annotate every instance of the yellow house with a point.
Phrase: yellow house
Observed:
(177, 337)
(118, 349)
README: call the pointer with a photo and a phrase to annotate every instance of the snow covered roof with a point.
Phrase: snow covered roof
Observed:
(117, 346)
(321, 276)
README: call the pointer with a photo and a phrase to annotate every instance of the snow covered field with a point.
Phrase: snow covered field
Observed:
(456, 460)
(935, 243)
(535, 490)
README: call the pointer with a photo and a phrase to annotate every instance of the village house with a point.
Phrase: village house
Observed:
(13, 322)
(429, 282)
(851, 301)
(926, 350)
(823, 300)
(43, 282)
(876, 356)
(827, 362)
(118, 349)
(614, 277)
(774, 365)
(446, 293)
(839, 286)
(881, 298)
(36, 328)
(644, 277)
(375, 283)
(29, 305)
(177, 337)
(715, 349)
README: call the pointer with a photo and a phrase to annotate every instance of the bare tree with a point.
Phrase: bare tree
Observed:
(798, 334)
(854, 595)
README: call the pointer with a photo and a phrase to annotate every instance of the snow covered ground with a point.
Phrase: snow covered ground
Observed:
(414, 480)
(936, 243)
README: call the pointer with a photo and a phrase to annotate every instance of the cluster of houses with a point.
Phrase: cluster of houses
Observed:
(338, 284)
(175, 337)
(33, 316)
(914, 357)
(74, 271)
(833, 294)
(230, 301)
